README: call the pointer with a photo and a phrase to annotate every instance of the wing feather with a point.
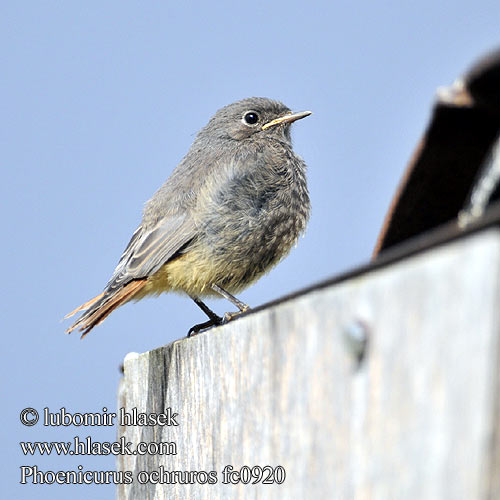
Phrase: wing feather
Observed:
(150, 248)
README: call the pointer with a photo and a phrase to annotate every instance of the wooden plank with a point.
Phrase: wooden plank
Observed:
(417, 418)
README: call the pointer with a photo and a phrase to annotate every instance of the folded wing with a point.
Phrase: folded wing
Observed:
(147, 251)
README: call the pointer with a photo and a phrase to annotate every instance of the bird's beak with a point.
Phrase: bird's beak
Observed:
(286, 119)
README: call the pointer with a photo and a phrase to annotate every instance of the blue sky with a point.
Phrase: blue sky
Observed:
(100, 100)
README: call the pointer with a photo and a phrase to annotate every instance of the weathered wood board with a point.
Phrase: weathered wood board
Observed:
(417, 418)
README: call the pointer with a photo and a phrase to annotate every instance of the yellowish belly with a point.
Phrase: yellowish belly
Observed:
(193, 273)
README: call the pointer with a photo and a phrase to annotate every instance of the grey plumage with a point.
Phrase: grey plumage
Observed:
(232, 208)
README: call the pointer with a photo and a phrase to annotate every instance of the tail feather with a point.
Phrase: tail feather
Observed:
(85, 306)
(99, 308)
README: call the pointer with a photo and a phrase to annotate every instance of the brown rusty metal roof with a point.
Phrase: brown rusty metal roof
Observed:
(446, 164)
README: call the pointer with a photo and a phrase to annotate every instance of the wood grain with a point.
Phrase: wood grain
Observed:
(417, 418)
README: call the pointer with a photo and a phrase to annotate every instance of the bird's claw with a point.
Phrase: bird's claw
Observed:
(231, 315)
(194, 330)
(216, 321)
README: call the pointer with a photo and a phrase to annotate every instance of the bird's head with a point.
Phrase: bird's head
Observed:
(253, 117)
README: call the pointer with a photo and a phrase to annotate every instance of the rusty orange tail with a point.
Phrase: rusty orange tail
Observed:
(100, 307)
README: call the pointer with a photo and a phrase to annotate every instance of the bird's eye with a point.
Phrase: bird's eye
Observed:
(251, 118)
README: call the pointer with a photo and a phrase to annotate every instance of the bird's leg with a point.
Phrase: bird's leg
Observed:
(240, 305)
(213, 321)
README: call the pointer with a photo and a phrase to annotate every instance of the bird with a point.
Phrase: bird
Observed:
(232, 209)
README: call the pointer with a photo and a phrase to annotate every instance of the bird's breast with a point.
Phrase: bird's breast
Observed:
(252, 224)
(247, 219)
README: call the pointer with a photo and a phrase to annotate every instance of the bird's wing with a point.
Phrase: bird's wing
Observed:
(150, 248)
(146, 252)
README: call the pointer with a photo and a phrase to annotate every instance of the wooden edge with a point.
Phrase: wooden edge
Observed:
(442, 235)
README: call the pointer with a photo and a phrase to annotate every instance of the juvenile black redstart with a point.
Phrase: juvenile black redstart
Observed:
(232, 208)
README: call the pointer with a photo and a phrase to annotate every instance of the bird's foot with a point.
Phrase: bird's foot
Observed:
(215, 321)
(232, 315)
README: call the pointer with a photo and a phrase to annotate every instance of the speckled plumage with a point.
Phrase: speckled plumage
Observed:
(232, 208)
